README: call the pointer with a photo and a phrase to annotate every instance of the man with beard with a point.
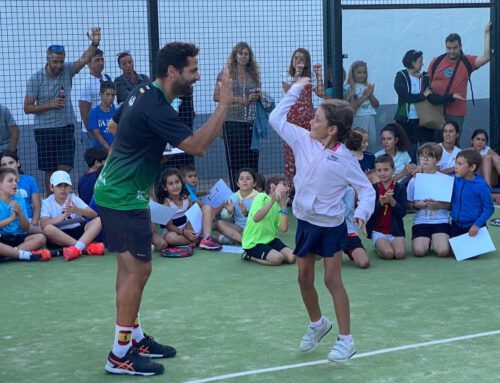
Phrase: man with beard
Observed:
(147, 122)
(450, 72)
(48, 97)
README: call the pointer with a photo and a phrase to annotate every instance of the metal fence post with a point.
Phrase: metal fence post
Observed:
(154, 36)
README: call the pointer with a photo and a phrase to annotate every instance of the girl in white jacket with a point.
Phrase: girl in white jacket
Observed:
(325, 168)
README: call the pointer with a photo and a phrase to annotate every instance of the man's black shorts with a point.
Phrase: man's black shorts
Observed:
(127, 230)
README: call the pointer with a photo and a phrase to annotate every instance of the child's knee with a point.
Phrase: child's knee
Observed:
(400, 253)
(386, 253)
(275, 258)
(333, 283)
(442, 251)
(363, 262)
(39, 239)
(420, 252)
(361, 258)
(288, 255)
(50, 230)
(305, 278)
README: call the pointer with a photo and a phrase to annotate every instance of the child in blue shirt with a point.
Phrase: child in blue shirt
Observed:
(95, 159)
(102, 114)
(190, 177)
(234, 214)
(15, 241)
(27, 188)
(471, 203)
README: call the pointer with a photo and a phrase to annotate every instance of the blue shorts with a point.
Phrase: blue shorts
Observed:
(322, 241)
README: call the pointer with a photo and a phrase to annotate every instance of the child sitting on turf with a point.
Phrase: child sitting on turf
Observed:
(171, 191)
(268, 215)
(385, 227)
(101, 115)
(366, 159)
(95, 159)
(189, 176)
(234, 215)
(353, 247)
(63, 220)
(27, 188)
(396, 143)
(471, 203)
(260, 182)
(15, 241)
(431, 227)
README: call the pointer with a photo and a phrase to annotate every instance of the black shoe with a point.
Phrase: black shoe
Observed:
(149, 348)
(132, 364)
(56, 253)
(245, 256)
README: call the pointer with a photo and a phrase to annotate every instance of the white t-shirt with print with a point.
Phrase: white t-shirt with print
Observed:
(427, 216)
(366, 108)
(51, 209)
(447, 160)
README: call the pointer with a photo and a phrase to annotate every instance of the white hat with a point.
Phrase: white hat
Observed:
(60, 177)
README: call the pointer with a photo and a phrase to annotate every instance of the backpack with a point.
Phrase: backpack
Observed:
(467, 64)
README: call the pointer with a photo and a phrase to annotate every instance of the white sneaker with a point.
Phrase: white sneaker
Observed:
(341, 351)
(313, 335)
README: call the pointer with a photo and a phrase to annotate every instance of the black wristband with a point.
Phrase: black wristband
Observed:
(94, 45)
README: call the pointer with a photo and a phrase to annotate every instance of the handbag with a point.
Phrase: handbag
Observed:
(430, 115)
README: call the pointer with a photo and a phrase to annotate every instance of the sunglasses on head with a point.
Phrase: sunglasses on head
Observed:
(56, 48)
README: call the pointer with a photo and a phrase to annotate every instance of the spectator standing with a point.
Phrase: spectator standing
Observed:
(129, 78)
(360, 94)
(302, 112)
(450, 72)
(88, 93)
(101, 115)
(237, 131)
(48, 97)
(412, 86)
(9, 131)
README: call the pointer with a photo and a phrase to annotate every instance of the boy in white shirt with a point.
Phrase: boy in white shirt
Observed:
(63, 219)
(431, 224)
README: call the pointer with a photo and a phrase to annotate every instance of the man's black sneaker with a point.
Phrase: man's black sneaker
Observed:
(149, 348)
(132, 364)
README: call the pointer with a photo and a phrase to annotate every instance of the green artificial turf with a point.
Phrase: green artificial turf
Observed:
(226, 316)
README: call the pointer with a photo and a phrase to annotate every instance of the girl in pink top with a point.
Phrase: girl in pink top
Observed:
(325, 168)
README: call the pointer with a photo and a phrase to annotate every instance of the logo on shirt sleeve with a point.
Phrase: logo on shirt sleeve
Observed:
(332, 157)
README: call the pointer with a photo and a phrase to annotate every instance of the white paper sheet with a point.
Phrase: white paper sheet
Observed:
(231, 249)
(160, 214)
(219, 193)
(437, 186)
(169, 150)
(465, 246)
(195, 218)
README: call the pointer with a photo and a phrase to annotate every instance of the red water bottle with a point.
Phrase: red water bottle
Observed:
(61, 92)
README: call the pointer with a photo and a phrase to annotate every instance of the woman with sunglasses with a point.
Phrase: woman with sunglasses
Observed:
(129, 78)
